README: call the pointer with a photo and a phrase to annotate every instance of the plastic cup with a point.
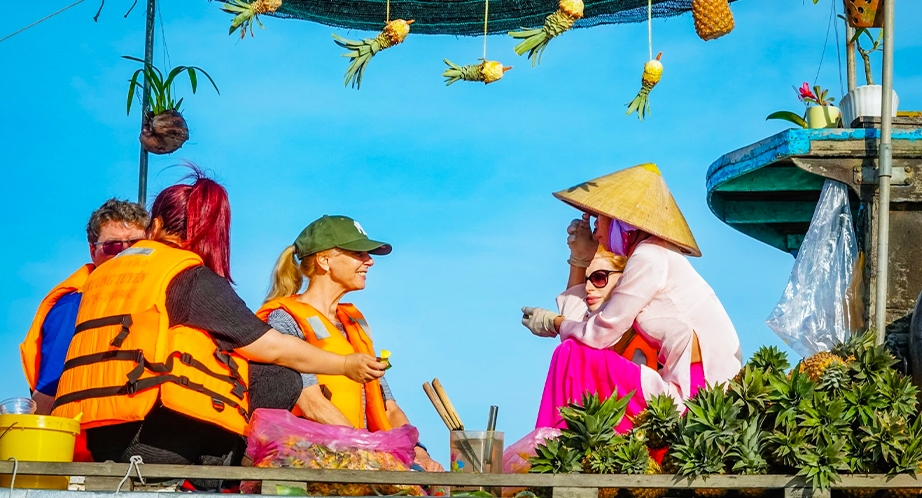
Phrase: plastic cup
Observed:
(17, 406)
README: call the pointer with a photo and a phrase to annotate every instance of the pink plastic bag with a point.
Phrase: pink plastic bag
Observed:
(515, 458)
(276, 438)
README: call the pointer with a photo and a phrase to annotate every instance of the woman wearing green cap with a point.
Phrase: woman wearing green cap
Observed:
(334, 253)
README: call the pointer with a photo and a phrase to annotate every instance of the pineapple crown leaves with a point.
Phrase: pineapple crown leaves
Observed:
(161, 89)
(602, 461)
(770, 359)
(632, 457)
(788, 447)
(711, 411)
(835, 379)
(824, 419)
(659, 421)
(884, 440)
(554, 457)
(898, 392)
(696, 457)
(750, 391)
(789, 396)
(591, 425)
(746, 454)
(910, 460)
(244, 15)
(862, 401)
(821, 465)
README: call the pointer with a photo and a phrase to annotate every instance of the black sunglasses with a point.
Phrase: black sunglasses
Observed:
(599, 278)
(113, 247)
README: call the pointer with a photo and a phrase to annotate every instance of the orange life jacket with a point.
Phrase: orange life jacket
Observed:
(346, 393)
(31, 347)
(635, 348)
(125, 356)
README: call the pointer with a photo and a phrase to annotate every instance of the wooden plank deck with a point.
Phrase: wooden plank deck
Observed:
(569, 481)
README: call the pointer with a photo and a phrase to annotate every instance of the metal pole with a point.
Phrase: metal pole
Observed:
(145, 107)
(850, 60)
(884, 174)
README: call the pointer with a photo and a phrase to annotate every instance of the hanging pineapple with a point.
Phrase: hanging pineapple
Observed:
(245, 14)
(713, 18)
(394, 32)
(536, 40)
(652, 72)
(486, 71)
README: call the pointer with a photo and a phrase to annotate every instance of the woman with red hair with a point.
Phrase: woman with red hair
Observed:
(160, 365)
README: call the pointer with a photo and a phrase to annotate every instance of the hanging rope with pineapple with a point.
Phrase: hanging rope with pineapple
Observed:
(361, 51)
(487, 71)
(246, 13)
(536, 40)
(652, 72)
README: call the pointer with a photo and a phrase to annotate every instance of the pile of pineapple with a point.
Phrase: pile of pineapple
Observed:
(846, 411)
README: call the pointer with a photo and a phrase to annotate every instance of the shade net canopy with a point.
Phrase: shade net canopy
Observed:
(465, 17)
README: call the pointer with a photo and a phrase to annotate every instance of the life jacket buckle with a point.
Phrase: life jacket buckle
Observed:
(131, 387)
(184, 381)
(185, 359)
(239, 390)
(217, 404)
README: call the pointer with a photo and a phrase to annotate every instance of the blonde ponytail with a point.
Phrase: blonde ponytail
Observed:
(287, 277)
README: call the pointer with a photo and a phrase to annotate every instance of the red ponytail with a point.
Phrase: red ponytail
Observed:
(200, 215)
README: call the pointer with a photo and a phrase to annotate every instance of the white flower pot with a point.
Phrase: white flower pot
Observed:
(864, 101)
(822, 116)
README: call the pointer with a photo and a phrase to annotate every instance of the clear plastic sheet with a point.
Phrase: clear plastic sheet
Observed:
(818, 308)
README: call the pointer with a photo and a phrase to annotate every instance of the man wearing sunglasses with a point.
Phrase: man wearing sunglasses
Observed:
(115, 226)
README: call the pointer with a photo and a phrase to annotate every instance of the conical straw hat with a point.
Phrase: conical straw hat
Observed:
(637, 195)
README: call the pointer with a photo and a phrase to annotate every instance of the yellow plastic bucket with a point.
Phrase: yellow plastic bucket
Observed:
(37, 438)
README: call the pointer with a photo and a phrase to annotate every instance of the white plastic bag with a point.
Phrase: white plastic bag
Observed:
(816, 311)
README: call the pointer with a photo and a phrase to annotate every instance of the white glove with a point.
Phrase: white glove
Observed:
(540, 321)
(582, 245)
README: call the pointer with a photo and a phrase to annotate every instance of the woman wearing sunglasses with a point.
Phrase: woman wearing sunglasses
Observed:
(159, 366)
(660, 295)
(575, 368)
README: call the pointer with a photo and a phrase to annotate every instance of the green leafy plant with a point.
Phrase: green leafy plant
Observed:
(163, 129)
(162, 93)
(809, 97)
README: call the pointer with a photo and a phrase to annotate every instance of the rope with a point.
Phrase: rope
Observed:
(486, 17)
(838, 50)
(388, 17)
(15, 469)
(39, 21)
(832, 18)
(650, 27)
(135, 463)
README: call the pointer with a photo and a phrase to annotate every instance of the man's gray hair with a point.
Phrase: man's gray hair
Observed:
(118, 211)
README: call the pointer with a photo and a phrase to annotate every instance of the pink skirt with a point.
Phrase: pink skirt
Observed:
(577, 369)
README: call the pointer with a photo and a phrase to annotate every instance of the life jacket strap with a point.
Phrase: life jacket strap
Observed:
(218, 400)
(107, 321)
(137, 356)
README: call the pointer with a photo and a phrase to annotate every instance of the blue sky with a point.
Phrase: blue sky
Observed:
(458, 179)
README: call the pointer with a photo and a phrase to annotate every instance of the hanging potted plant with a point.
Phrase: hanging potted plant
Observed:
(863, 13)
(865, 100)
(819, 112)
(163, 129)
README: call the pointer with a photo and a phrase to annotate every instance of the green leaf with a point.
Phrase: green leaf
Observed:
(788, 116)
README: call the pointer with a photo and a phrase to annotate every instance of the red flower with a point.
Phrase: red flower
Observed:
(806, 93)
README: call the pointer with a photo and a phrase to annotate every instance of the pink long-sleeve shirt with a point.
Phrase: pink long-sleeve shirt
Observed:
(662, 296)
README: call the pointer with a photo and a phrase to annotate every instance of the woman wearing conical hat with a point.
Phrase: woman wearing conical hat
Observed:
(659, 295)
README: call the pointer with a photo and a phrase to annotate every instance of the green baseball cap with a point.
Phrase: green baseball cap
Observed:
(337, 231)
